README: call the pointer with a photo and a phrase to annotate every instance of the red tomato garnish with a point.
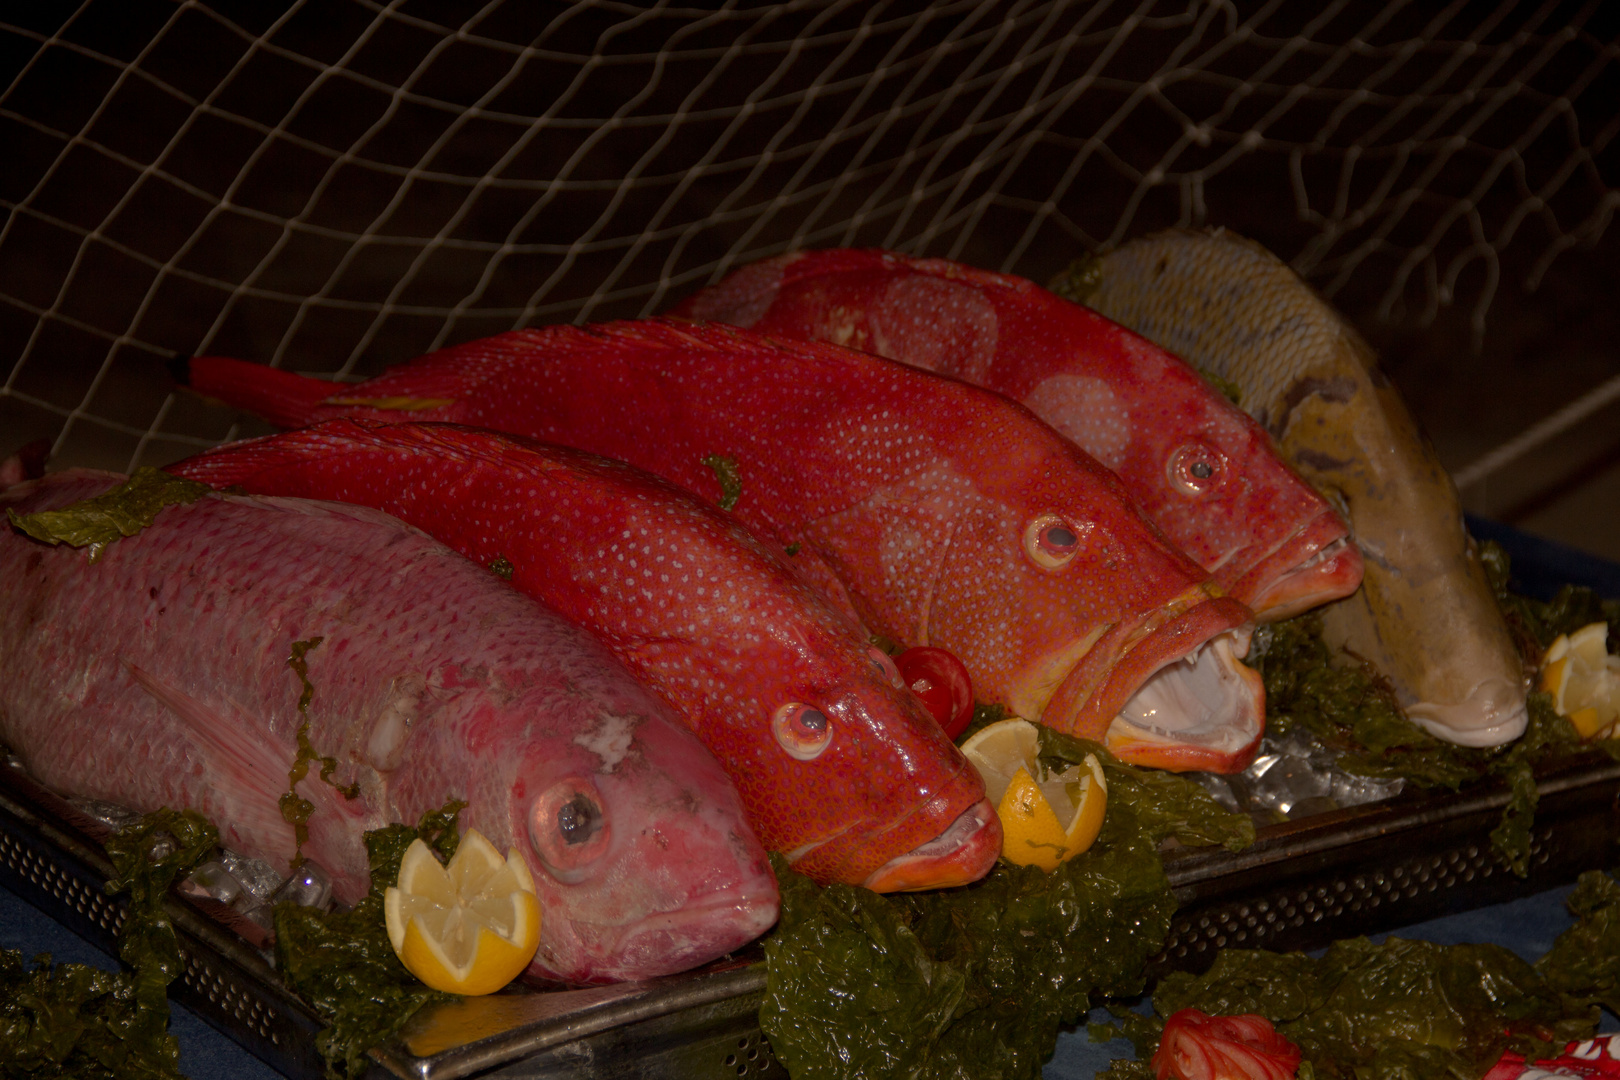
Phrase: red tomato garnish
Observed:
(942, 682)
(1197, 1046)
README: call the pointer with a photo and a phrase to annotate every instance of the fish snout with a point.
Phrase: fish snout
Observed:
(1318, 563)
(1493, 713)
(675, 941)
(963, 853)
(1205, 711)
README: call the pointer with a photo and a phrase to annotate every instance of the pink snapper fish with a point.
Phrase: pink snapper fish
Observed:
(158, 676)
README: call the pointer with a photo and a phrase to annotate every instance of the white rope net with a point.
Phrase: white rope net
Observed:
(344, 184)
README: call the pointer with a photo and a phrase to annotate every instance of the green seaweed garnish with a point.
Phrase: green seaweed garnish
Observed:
(75, 1020)
(1230, 390)
(342, 962)
(503, 568)
(940, 984)
(124, 511)
(725, 471)
(1409, 1008)
(296, 809)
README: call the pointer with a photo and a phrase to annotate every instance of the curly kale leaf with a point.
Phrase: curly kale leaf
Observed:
(123, 511)
(978, 981)
(342, 962)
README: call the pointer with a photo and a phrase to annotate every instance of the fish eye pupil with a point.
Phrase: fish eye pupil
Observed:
(813, 721)
(1202, 469)
(578, 820)
(1059, 537)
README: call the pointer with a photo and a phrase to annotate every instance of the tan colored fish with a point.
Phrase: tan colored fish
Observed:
(1424, 614)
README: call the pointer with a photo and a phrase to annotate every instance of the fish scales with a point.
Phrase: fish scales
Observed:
(158, 676)
(946, 514)
(700, 610)
(1202, 470)
(1425, 615)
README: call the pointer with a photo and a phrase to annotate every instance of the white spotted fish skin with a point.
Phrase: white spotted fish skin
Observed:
(1202, 470)
(947, 514)
(157, 676)
(695, 606)
(1425, 615)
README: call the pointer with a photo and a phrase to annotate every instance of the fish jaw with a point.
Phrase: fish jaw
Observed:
(1318, 564)
(1493, 714)
(946, 840)
(1204, 712)
(962, 854)
(1111, 679)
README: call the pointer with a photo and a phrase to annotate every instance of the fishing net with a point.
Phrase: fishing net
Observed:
(334, 186)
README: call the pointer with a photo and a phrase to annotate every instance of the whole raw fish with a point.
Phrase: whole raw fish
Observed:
(1425, 615)
(158, 676)
(1200, 468)
(947, 515)
(839, 766)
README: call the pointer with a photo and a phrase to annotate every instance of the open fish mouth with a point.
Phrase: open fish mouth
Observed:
(964, 852)
(1317, 564)
(1205, 711)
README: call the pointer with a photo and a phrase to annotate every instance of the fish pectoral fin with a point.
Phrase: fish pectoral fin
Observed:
(249, 763)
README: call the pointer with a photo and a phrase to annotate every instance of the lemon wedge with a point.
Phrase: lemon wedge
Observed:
(466, 928)
(1584, 679)
(1043, 822)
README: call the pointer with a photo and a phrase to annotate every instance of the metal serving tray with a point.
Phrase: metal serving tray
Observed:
(1300, 886)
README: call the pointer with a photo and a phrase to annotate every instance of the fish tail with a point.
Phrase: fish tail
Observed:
(282, 398)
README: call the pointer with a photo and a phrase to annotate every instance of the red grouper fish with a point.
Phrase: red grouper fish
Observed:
(839, 765)
(1205, 472)
(945, 515)
(158, 676)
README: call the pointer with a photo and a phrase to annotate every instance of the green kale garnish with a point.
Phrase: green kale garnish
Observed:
(502, 568)
(342, 962)
(1079, 280)
(725, 471)
(1411, 1008)
(939, 984)
(73, 1020)
(123, 511)
(294, 807)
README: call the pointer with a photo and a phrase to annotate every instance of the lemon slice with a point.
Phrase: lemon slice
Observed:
(1584, 679)
(1043, 822)
(466, 928)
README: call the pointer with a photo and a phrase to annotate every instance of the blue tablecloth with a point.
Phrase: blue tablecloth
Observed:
(1526, 926)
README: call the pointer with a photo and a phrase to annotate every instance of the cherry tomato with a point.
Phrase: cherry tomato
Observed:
(942, 682)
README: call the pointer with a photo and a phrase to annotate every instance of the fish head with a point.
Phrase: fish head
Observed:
(1061, 599)
(847, 773)
(642, 858)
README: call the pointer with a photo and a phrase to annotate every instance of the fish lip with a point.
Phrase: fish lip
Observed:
(1493, 713)
(964, 852)
(1319, 562)
(1225, 746)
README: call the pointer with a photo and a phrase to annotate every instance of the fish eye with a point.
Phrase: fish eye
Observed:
(1050, 542)
(1194, 469)
(886, 668)
(803, 731)
(569, 828)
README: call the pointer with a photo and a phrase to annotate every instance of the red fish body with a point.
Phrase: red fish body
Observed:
(947, 515)
(1203, 470)
(158, 676)
(699, 610)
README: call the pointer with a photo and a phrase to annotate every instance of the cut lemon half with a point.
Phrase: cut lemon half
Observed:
(1584, 679)
(1043, 822)
(466, 928)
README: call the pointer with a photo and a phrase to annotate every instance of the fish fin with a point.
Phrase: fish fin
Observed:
(263, 465)
(282, 398)
(250, 764)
